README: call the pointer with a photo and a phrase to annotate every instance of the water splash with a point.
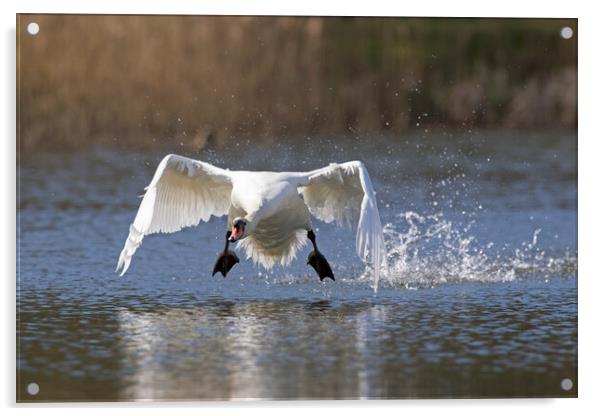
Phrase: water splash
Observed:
(428, 250)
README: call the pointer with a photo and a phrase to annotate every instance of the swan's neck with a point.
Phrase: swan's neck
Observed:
(250, 227)
(254, 218)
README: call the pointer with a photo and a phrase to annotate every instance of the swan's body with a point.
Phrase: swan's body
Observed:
(276, 207)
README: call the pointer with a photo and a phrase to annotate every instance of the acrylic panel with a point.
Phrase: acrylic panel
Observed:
(445, 255)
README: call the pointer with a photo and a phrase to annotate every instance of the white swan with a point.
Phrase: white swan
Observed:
(268, 212)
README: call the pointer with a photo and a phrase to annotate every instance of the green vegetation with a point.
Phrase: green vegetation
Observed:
(144, 80)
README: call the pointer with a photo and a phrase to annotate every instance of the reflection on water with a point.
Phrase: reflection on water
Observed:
(481, 301)
(249, 350)
(512, 339)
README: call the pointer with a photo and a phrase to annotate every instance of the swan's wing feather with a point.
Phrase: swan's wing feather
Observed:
(343, 193)
(182, 192)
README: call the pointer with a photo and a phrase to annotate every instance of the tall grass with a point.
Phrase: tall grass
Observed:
(142, 80)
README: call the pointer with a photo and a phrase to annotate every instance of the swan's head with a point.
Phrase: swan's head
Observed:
(238, 229)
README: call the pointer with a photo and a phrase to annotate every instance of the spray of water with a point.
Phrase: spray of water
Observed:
(428, 250)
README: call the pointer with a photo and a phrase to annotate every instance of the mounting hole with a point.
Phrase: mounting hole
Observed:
(33, 28)
(33, 389)
(566, 32)
(566, 384)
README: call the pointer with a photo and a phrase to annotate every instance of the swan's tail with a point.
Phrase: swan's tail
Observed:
(131, 245)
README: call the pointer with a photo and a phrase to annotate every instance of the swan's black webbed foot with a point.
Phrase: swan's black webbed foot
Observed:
(320, 265)
(226, 260)
(317, 259)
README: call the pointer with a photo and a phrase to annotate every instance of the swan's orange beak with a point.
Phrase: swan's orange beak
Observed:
(237, 232)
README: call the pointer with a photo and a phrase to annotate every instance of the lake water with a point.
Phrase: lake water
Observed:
(480, 300)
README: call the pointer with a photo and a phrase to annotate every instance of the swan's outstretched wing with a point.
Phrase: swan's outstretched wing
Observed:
(182, 193)
(343, 193)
